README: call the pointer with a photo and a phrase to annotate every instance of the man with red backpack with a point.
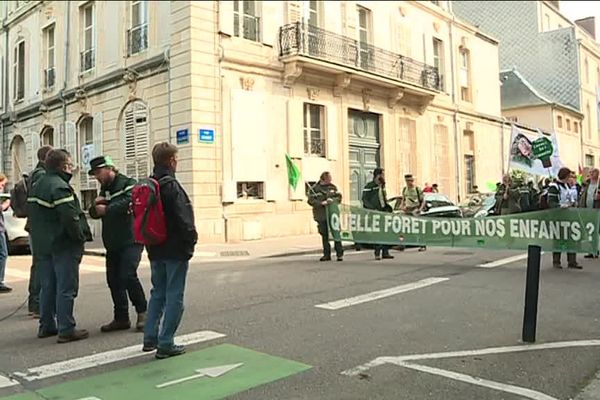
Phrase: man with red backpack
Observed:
(164, 222)
(122, 253)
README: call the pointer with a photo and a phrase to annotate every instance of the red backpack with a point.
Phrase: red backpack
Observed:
(149, 224)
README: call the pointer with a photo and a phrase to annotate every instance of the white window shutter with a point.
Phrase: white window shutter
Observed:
(71, 141)
(331, 131)
(350, 18)
(35, 145)
(294, 11)
(226, 17)
(98, 134)
(295, 128)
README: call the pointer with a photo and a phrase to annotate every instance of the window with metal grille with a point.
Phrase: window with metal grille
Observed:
(137, 35)
(438, 59)
(246, 19)
(19, 71)
(136, 140)
(589, 161)
(88, 53)
(314, 132)
(49, 71)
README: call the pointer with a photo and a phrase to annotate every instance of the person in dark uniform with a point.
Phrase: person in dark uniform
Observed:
(321, 195)
(123, 254)
(374, 197)
(59, 230)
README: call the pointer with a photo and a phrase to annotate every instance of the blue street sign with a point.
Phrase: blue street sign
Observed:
(183, 136)
(206, 135)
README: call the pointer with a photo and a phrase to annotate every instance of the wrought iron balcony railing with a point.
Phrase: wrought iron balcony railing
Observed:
(88, 60)
(314, 146)
(49, 77)
(137, 39)
(311, 41)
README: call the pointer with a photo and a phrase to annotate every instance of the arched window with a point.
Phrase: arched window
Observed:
(17, 150)
(47, 136)
(136, 140)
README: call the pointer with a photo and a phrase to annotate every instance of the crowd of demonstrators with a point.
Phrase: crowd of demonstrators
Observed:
(507, 197)
(322, 195)
(374, 197)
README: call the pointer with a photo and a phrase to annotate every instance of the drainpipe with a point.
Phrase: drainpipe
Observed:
(502, 123)
(455, 116)
(167, 55)
(581, 105)
(65, 78)
(5, 83)
(220, 91)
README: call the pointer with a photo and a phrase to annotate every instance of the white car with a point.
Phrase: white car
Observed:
(16, 235)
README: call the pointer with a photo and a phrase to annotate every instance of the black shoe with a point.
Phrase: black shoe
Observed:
(78, 334)
(115, 326)
(149, 347)
(589, 256)
(5, 289)
(557, 266)
(388, 257)
(575, 266)
(377, 258)
(44, 335)
(340, 258)
(423, 248)
(325, 258)
(175, 350)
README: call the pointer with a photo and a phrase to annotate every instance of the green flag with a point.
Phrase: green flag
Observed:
(293, 172)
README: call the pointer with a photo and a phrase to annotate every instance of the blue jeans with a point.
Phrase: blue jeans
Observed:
(166, 297)
(3, 256)
(59, 276)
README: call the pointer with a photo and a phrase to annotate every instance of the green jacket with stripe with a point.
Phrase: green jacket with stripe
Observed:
(117, 224)
(374, 197)
(56, 219)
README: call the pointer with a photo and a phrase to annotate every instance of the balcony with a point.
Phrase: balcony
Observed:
(49, 78)
(137, 39)
(88, 60)
(304, 45)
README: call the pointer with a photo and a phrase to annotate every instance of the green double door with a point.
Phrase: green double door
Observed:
(363, 131)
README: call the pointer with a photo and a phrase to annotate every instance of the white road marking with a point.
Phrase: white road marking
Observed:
(468, 353)
(212, 372)
(380, 294)
(504, 261)
(95, 360)
(7, 382)
(503, 387)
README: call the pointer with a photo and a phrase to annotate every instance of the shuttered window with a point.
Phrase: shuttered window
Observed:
(136, 140)
(86, 145)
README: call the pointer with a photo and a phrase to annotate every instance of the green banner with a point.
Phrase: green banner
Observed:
(572, 230)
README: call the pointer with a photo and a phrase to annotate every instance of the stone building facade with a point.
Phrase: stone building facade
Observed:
(339, 86)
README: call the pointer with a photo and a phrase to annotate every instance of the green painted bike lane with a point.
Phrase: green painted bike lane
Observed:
(209, 374)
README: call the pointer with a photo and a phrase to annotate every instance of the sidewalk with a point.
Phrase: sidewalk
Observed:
(591, 391)
(275, 247)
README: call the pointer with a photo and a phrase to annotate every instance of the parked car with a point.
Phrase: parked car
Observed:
(479, 205)
(16, 235)
(436, 205)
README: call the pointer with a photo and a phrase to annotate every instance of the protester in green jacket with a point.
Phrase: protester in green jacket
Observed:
(374, 197)
(59, 230)
(123, 255)
(33, 302)
(320, 196)
(508, 197)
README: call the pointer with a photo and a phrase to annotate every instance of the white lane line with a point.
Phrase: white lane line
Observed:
(108, 357)
(503, 387)
(380, 294)
(468, 353)
(503, 261)
(7, 382)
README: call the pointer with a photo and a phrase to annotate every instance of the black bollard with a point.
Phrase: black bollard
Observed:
(532, 286)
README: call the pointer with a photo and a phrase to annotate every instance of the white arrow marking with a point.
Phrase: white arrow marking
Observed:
(212, 372)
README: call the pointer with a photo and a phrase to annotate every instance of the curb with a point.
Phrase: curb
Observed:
(102, 253)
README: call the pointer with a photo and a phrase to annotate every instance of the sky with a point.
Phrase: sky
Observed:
(580, 9)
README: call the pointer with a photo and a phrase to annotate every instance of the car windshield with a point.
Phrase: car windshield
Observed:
(438, 200)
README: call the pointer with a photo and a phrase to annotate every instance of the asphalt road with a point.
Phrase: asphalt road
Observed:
(268, 305)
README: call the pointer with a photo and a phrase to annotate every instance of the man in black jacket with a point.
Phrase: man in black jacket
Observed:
(374, 197)
(122, 253)
(169, 261)
(33, 302)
